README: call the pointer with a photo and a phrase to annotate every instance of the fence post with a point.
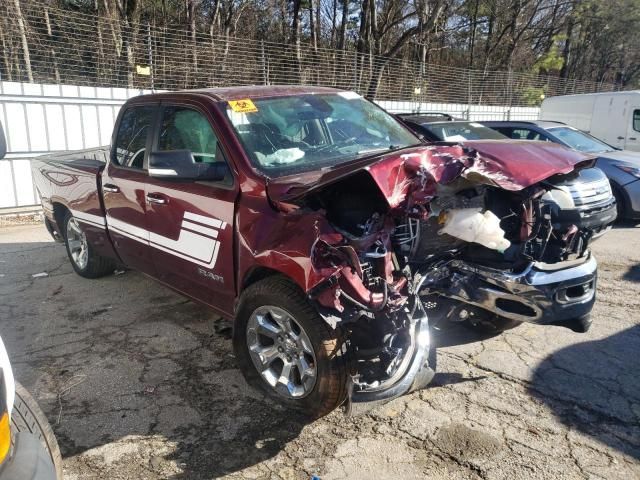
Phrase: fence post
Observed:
(265, 79)
(469, 73)
(150, 53)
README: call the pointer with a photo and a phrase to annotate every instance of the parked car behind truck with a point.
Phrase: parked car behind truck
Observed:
(621, 167)
(319, 224)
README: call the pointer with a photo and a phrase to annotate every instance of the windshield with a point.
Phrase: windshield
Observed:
(293, 134)
(579, 141)
(461, 131)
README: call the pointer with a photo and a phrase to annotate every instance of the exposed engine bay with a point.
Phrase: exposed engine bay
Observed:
(462, 242)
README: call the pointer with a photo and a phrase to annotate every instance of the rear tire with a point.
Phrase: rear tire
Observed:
(83, 258)
(328, 360)
(28, 417)
(621, 207)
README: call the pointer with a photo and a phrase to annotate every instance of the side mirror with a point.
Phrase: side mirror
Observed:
(3, 143)
(181, 165)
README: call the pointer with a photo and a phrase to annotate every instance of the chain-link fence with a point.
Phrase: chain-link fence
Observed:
(48, 45)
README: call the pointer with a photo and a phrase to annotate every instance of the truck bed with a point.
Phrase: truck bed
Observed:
(71, 179)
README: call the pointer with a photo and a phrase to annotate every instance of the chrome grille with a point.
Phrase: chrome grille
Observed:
(593, 193)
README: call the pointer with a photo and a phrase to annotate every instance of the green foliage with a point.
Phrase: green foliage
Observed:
(533, 96)
(552, 60)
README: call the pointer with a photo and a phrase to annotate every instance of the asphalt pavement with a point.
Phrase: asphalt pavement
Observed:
(140, 383)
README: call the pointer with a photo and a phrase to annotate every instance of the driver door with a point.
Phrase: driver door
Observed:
(191, 222)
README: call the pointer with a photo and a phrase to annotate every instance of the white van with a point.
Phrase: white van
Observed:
(613, 117)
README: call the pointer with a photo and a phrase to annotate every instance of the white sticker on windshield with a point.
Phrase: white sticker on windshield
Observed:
(349, 95)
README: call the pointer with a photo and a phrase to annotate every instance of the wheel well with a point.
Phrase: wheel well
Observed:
(59, 212)
(620, 197)
(256, 274)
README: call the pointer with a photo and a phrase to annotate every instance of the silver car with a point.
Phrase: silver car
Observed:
(621, 166)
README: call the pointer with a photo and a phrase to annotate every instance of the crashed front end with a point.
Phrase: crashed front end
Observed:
(440, 225)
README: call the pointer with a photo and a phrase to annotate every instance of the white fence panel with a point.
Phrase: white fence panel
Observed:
(41, 119)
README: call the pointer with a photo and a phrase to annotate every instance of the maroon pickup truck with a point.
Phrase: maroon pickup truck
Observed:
(326, 230)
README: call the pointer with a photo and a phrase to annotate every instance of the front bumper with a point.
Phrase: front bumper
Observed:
(29, 460)
(416, 374)
(541, 293)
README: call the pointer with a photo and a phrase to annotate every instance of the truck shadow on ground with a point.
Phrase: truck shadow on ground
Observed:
(633, 274)
(594, 387)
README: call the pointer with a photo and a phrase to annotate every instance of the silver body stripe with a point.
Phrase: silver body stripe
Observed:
(194, 217)
(199, 228)
(96, 220)
(198, 246)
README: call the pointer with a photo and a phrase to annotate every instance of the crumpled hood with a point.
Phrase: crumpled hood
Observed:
(511, 165)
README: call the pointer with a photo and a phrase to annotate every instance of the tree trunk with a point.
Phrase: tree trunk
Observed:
(295, 36)
(472, 41)
(52, 51)
(318, 22)
(313, 26)
(191, 19)
(23, 38)
(343, 25)
(566, 50)
(6, 54)
(334, 13)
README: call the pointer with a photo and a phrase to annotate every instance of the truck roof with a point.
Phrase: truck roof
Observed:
(249, 91)
(545, 124)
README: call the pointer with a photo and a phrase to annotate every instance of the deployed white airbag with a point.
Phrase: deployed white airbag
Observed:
(470, 225)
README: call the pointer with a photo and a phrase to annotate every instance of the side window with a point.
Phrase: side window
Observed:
(187, 129)
(636, 120)
(131, 140)
(506, 131)
(525, 134)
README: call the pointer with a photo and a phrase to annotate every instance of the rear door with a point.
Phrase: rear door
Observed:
(633, 130)
(191, 222)
(610, 125)
(123, 186)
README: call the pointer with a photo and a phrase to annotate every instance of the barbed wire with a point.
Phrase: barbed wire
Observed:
(75, 48)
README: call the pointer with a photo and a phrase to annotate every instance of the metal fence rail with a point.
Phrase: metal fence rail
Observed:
(79, 49)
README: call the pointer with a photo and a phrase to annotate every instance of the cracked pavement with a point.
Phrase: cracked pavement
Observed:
(140, 383)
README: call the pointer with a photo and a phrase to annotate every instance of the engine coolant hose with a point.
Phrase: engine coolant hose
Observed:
(362, 306)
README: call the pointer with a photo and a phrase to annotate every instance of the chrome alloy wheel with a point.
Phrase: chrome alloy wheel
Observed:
(77, 241)
(281, 352)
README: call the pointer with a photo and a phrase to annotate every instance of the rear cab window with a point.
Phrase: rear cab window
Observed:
(132, 138)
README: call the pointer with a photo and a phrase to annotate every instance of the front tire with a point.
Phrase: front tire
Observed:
(286, 350)
(28, 417)
(83, 258)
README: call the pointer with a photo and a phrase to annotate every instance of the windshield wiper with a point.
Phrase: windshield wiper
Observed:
(390, 148)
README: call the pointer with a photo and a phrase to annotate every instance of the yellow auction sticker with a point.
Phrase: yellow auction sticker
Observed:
(243, 106)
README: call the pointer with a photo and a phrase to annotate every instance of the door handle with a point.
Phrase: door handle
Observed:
(110, 187)
(632, 138)
(157, 198)
(620, 138)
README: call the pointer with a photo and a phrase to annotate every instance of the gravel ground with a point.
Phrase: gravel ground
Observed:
(140, 383)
